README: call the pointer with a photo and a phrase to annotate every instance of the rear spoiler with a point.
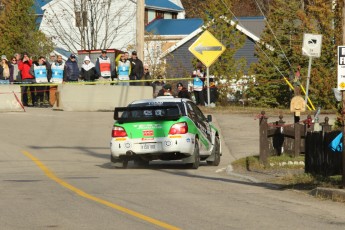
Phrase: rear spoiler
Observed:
(147, 113)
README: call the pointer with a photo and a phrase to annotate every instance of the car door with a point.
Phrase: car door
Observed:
(202, 124)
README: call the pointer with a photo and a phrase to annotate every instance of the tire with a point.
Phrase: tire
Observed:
(120, 163)
(216, 153)
(196, 154)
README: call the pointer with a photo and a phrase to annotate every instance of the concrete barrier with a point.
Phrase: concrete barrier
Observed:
(98, 97)
(10, 98)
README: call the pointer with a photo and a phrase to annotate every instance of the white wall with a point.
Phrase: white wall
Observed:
(60, 14)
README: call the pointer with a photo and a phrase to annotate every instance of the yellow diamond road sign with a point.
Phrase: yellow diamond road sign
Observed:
(207, 48)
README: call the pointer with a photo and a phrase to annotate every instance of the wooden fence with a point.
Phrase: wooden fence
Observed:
(278, 137)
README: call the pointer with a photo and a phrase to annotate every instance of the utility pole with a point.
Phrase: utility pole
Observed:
(140, 28)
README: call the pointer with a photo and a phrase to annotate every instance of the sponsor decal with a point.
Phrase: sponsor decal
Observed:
(148, 126)
(147, 139)
(147, 133)
(188, 140)
(175, 136)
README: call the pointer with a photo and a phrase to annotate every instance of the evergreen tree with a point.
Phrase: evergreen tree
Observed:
(226, 67)
(18, 30)
(289, 20)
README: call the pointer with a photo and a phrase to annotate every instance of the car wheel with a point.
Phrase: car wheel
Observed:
(196, 154)
(216, 153)
(119, 163)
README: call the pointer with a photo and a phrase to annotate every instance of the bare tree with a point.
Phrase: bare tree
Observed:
(90, 24)
(154, 46)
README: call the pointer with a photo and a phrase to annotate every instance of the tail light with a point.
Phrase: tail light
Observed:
(118, 132)
(179, 128)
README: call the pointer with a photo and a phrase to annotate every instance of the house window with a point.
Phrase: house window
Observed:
(150, 16)
(167, 16)
(174, 15)
(159, 14)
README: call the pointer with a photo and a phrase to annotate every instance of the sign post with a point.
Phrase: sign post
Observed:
(207, 49)
(311, 48)
(341, 87)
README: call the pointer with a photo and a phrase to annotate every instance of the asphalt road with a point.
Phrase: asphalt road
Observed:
(55, 174)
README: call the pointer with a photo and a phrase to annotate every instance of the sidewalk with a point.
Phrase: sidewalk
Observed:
(240, 133)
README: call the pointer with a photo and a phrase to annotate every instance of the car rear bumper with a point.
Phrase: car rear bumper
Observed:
(183, 144)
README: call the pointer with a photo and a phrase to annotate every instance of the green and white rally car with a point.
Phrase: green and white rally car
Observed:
(164, 128)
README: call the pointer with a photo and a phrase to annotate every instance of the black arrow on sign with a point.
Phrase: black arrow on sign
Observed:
(200, 48)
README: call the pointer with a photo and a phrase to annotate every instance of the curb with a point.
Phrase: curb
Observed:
(329, 193)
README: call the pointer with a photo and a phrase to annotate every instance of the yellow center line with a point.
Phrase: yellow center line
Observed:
(81, 193)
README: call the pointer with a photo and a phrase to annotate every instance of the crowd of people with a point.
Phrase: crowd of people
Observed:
(22, 69)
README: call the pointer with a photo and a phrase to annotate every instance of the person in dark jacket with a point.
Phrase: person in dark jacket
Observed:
(88, 71)
(137, 69)
(165, 91)
(72, 70)
(182, 92)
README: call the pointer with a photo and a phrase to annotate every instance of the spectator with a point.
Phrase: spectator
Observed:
(213, 93)
(72, 69)
(182, 92)
(165, 91)
(123, 69)
(24, 66)
(58, 69)
(104, 67)
(157, 85)
(52, 58)
(198, 86)
(16, 72)
(136, 68)
(40, 69)
(147, 76)
(18, 56)
(6, 71)
(88, 71)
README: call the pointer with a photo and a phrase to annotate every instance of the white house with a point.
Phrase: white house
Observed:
(77, 24)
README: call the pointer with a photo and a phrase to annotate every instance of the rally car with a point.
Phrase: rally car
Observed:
(164, 128)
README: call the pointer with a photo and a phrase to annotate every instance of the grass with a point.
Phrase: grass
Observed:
(287, 176)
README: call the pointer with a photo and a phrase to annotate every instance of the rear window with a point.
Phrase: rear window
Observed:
(163, 104)
(145, 112)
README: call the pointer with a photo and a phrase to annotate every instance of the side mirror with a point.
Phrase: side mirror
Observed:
(209, 118)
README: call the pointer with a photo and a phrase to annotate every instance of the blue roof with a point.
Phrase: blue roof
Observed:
(162, 4)
(63, 52)
(174, 26)
(38, 4)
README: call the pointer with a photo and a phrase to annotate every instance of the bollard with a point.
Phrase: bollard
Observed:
(263, 138)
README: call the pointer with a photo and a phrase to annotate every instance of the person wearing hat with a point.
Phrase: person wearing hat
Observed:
(6, 71)
(72, 69)
(182, 91)
(137, 69)
(165, 91)
(52, 58)
(104, 66)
